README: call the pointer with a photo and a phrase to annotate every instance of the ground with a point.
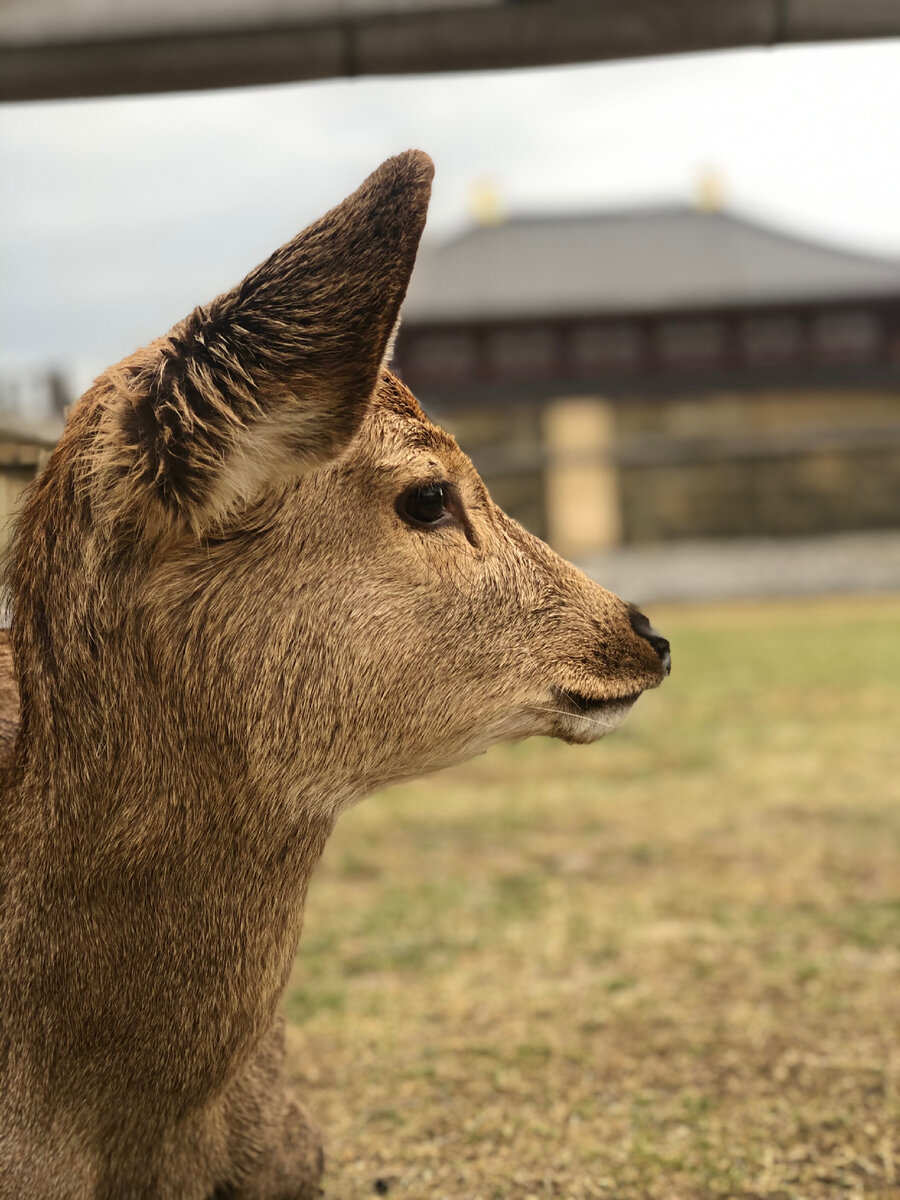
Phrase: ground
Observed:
(665, 966)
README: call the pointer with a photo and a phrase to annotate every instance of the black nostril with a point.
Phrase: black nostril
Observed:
(642, 627)
(661, 646)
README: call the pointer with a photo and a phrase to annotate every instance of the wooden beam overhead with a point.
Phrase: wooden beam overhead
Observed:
(77, 48)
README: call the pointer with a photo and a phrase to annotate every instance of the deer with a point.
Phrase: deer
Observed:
(253, 584)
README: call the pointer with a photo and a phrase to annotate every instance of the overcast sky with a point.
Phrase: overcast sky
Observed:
(117, 216)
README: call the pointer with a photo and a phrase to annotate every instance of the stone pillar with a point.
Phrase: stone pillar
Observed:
(582, 484)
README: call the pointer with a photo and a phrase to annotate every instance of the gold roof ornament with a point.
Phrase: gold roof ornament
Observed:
(486, 204)
(710, 190)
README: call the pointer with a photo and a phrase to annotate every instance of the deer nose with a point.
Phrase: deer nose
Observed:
(642, 627)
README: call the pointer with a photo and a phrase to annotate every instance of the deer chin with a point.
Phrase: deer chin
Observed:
(581, 719)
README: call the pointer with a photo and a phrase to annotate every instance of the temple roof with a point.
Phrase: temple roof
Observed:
(634, 260)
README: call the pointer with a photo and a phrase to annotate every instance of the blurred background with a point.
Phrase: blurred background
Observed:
(658, 301)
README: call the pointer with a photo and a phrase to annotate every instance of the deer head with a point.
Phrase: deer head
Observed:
(252, 541)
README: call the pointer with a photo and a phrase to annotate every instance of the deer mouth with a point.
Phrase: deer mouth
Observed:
(579, 703)
(581, 718)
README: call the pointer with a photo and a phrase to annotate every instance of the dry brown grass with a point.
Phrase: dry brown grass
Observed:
(665, 966)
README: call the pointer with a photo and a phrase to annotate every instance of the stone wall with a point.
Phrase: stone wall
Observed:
(759, 465)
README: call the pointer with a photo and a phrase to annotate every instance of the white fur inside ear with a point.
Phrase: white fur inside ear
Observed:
(268, 455)
(389, 352)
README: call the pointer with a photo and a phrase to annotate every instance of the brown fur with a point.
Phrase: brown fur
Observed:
(9, 696)
(225, 632)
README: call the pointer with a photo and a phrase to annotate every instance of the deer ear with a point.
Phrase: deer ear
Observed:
(275, 377)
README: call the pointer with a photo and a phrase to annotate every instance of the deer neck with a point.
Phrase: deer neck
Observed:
(162, 917)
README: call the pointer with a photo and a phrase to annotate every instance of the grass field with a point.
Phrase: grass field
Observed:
(667, 965)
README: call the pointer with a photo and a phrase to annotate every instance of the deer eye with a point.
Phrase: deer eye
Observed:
(424, 505)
